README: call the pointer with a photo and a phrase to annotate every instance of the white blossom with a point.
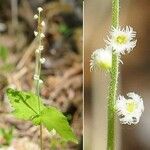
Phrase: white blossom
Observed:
(35, 33)
(37, 50)
(35, 16)
(36, 77)
(129, 109)
(41, 47)
(42, 35)
(40, 9)
(122, 40)
(43, 23)
(42, 60)
(41, 81)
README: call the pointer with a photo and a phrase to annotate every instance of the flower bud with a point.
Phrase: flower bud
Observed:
(101, 58)
(40, 9)
(35, 16)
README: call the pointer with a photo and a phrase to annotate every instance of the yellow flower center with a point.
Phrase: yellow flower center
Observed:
(121, 39)
(131, 106)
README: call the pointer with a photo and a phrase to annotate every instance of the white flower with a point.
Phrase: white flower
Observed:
(41, 47)
(36, 77)
(129, 109)
(40, 9)
(101, 58)
(37, 51)
(42, 35)
(122, 40)
(35, 16)
(42, 60)
(43, 23)
(41, 81)
(35, 33)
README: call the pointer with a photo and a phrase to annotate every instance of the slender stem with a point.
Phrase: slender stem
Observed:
(38, 63)
(38, 72)
(113, 83)
(14, 12)
(41, 137)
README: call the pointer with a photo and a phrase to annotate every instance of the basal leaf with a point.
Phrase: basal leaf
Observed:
(51, 118)
(25, 104)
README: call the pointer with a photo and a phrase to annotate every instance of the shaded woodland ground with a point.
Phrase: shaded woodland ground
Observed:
(61, 73)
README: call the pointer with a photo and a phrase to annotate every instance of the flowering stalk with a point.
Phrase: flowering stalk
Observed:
(113, 83)
(39, 34)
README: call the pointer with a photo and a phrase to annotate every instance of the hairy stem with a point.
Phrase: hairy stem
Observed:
(113, 83)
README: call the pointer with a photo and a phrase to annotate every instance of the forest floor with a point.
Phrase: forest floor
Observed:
(61, 73)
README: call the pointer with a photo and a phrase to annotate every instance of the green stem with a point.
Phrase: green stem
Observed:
(113, 83)
(41, 137)
(38, 72)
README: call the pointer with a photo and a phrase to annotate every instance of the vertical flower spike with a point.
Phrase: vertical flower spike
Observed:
(122, 40)
(101, 58)
(129, 110)
(39, 35)
(39, 60)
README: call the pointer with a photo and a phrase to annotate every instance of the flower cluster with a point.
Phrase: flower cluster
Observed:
(119, 42)
(129, 109)
(40, 35)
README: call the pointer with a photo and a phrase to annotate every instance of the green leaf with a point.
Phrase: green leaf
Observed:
(25, 104)
(3, 53)
(51, 118)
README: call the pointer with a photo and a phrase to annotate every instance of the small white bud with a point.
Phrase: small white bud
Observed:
(35, 16)
(41, 47)
(35, 33)
(40, 9)
(42, 60)
(36, 77)
(37, 50)
(40, 81)
(101, 58)
(42, 35)
(43, 23)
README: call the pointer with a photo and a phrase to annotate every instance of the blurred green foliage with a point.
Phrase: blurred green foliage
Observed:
(6, 135)
(65, 30)
(56, 142)
(6, 67)
(3, 53)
